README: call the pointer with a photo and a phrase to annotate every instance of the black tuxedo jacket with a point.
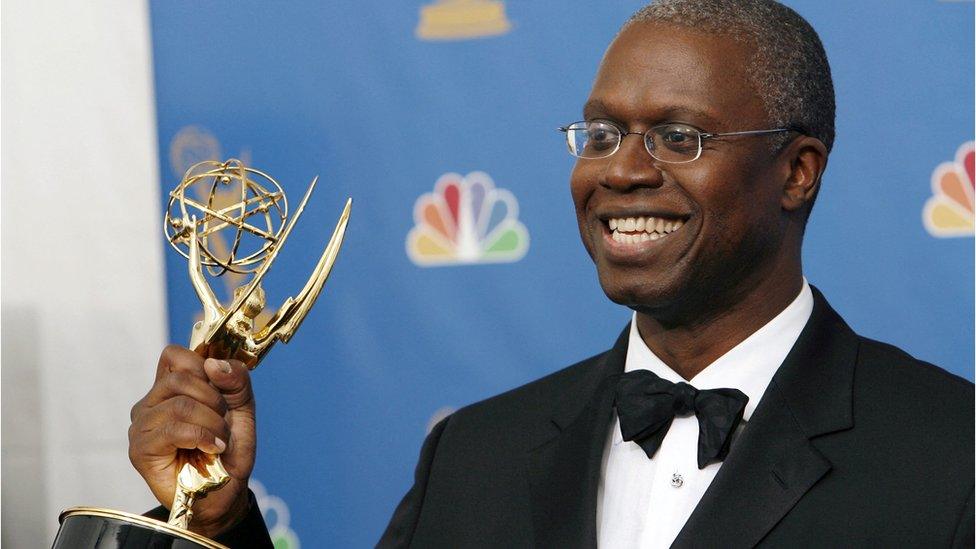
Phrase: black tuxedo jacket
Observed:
(854, 444)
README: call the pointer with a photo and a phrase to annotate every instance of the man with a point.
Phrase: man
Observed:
(701, 152)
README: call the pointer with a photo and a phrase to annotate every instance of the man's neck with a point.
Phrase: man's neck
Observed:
(690, 347)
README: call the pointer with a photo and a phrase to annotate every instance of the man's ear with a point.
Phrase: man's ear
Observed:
(808, 160)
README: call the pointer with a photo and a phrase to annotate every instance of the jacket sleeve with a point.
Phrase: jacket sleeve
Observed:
(399, 532)
(250, 532)
(964, 529)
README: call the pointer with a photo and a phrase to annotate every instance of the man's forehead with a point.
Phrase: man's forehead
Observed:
(658, 49)
(673, 69)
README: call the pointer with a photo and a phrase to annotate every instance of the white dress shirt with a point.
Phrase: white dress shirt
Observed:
(645, 502)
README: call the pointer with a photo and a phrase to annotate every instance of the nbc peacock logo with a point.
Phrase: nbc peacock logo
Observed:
(949, 212)
(466, 220)
(276, 517)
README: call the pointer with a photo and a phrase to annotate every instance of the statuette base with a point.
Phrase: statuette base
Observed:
(90, 527)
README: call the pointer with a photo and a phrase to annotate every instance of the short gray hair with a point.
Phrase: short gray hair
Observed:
(792, 74)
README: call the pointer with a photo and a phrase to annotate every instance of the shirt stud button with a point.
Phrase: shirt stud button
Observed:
(677, 481)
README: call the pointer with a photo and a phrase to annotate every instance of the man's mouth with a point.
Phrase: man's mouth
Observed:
(632, 230)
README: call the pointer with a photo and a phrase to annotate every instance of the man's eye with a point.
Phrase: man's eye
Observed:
(675, 138)
(601, 136)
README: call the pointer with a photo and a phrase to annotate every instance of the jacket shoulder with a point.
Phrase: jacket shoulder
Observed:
(534, 400)
(895, 388)
(890, 365)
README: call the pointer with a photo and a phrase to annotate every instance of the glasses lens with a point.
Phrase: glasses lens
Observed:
(592, 139)
(674, 143)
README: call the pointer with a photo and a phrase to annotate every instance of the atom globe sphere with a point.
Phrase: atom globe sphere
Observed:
(203, 206)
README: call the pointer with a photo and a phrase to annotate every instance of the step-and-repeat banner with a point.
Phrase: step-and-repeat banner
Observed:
(462, 273)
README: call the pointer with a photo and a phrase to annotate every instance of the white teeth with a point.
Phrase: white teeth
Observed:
(632, 230)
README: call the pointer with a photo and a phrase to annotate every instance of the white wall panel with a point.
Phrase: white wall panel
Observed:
(82, 273)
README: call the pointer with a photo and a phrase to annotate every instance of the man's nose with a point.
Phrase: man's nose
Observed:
(632, 166)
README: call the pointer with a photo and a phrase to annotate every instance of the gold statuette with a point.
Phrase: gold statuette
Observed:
(212, 200)
(229, 221)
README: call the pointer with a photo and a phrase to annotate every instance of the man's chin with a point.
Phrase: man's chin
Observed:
(640, 296)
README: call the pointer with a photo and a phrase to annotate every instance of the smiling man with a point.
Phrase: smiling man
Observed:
(748, 412)
(695, 220)
(737, 409)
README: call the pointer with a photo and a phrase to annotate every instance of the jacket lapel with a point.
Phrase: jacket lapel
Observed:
(564, 473)
(773, 463)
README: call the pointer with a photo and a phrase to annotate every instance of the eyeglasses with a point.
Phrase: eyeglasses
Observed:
(671, 143)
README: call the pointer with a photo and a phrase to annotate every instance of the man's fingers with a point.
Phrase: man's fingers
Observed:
(178, 383)
(183, 409)
(189, 436)
(176, 435)
(180, 359)
(232, 379)
(137, 408)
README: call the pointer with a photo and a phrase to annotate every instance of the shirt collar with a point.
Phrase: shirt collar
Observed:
(749, 366)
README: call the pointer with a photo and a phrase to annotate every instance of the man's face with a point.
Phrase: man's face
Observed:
(727, 202)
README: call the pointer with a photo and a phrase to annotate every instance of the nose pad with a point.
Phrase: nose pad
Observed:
(632, 166)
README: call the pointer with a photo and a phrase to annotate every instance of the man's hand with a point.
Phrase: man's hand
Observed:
(203, 404)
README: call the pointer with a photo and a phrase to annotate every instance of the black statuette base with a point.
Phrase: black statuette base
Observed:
(84, 528)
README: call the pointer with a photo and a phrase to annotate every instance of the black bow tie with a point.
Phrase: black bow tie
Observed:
(647, 404)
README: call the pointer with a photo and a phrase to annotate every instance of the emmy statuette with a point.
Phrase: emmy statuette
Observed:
(214, 199)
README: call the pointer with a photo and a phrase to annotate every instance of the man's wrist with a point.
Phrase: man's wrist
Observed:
(238, 511)
(250, 531)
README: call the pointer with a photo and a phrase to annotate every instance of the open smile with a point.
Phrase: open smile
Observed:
(634, 230)
(628, 238)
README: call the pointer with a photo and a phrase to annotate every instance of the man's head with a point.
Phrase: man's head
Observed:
(720, 66)
(789, 68)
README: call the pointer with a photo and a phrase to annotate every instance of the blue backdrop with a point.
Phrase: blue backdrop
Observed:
(462, 274)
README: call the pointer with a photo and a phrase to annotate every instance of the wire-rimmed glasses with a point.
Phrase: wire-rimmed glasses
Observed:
(673, 143)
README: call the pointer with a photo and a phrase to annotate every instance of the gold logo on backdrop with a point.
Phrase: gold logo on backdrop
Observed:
(462, 19)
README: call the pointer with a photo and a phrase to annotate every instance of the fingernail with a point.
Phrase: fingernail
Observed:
(221, 445)
(224, 366)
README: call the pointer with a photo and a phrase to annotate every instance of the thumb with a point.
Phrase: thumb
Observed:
(232, 379)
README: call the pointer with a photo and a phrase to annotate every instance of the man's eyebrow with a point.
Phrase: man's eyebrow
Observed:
(699, 114)
(596, 107)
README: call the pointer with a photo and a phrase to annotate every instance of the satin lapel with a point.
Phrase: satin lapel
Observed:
(564, 473)
(773, 463)
(765, 474)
